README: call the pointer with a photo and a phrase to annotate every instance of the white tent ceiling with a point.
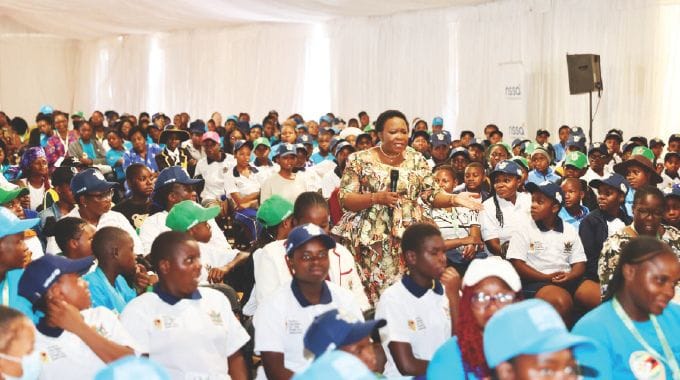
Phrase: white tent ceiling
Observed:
(88, 19)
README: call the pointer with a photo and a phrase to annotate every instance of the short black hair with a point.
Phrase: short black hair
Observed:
(446, 168)
(19, 125)
(44, 117)
(362, 113)
(464, 133)
(133, 170)
(134, 130)
(165, 246)
(105, 239)
(415, 236)
(389, 114)
(645, 191)
(563, 127)
(66, 229)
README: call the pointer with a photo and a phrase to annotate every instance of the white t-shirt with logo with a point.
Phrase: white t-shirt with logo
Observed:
(192, 339)
(68, 357)
(424, 323)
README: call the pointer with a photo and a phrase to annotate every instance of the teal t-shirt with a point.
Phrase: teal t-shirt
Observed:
(103, 294)
(9, 288)
(621, 356)
(447, 363)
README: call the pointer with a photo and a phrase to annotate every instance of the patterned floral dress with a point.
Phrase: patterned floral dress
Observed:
(371, 235)
(611, 249)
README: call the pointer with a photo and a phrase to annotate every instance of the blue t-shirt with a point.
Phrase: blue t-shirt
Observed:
(560, 152)
(447, 363)
(112, 157)
(573, 220)
(103, 294)
(537, 177)
(88, 148)
(317, 157)
(619, 349)
(629, 201)
(9, 295)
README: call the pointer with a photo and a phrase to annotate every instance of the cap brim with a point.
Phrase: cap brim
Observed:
(20, 225)
(79, 266)
(102, 186)
(210, 213)
(326, 239)
(361, 330)
(15, 193)
(622, 167)
(558, 341)
(183, 135)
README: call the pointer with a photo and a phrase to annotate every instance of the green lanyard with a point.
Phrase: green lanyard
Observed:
(669, 357)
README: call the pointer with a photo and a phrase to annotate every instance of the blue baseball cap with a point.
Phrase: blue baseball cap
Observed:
(439, 139)
(543, 331)
(42, 273)
(304, 233)
(174, 174)
(576, 131)
(332, 330)
(577, 140)
(675, 191)
(304, 139)
(550, 189)
(286, 149)
(241, 143)
(506, 167)
(326, 118)
(301, 126)
(337, 365)
(197, 126)
(598, 147)
(460, 151)
(341, 145)
(46, 109)
(10, 224)
(614, 180)
(437, 121)
(132, 367)
(90, 180)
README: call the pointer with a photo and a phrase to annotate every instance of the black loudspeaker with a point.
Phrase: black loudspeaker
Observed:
(584, 73)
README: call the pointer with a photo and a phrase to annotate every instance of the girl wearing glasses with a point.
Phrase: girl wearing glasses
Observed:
(648, 208)
(488, 286)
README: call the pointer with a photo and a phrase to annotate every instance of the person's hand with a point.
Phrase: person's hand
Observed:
(469, 252)
(64, 315)
(216, 275)
(469, 200)
(560, 277)
(387, 198)
(451, 281)
(144, 279)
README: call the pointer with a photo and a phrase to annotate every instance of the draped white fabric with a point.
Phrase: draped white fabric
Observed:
(316, 57)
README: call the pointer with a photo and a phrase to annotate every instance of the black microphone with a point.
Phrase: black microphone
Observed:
(394, 178)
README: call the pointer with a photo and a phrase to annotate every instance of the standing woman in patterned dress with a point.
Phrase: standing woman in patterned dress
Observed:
(375, 217)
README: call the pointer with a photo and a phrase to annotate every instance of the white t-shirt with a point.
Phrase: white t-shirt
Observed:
(192, 339)
(271, 271)
(287, 188)
(214, 175)
(547, 251)
(423, 322)
(36, 195)
(514, 215)
(35, 246)
(68, 357)
(215, 253)
(115, 219)
(281, 321)
(242, 184)
(329, 182)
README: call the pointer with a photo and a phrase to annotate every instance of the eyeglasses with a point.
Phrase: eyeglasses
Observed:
(482, 300)
(646, 212)
(101, 196)
(568, 372)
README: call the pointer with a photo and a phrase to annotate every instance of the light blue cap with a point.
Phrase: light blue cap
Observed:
(336, 365)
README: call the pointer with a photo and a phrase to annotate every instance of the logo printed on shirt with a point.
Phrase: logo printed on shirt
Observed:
(216, 318)
(645, 366)
(412, 325)
(294, 327)
(420, 324)
(165, 322)
(568, 247)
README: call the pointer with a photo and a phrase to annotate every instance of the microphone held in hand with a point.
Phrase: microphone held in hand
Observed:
(394, 178)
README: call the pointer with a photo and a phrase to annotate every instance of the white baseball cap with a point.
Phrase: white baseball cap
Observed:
(492, 266)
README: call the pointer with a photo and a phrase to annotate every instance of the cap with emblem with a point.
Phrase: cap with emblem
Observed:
(90, 180)
(506, 167)
(437, 121)
(547, 188)
(576, 159)
(302, 234)
(42, 273)
(174, 174)
(273, 211)
(440, 139)
(614, 180)
(333, 329)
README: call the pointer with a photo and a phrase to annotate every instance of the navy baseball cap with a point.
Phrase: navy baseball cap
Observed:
(460, 151)
(304, 139)
(174, 174)
(675, 191)
(576, 131)
(423, 134)
(304, 233)
(302, 126)
(439, 139)
(656, 142)
(577, 140)
(90, 180)
(241, 143)
(674, 137)
(614, 134)
(598, 147)
(629, 145)
(550, 189)
(341, 145)
(670, 155)
(286, 149)
(10, 224)
(42, 273)
(542, 132)
(333, 329)
(197, 126)
(506, 167)
(542, 331)
(639, 139)
(614, 180)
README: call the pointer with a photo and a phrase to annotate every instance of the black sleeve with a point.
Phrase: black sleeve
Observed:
(590, 233)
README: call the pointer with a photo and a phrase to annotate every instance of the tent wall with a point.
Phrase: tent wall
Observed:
(501, 62)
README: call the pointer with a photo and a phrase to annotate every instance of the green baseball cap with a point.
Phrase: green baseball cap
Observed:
(576, 159)
(521, 161)
(369, 128)
(7, 195)
(187, 214)
(274, 210)
(261, 141)
(79, 114)
(643, 151)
